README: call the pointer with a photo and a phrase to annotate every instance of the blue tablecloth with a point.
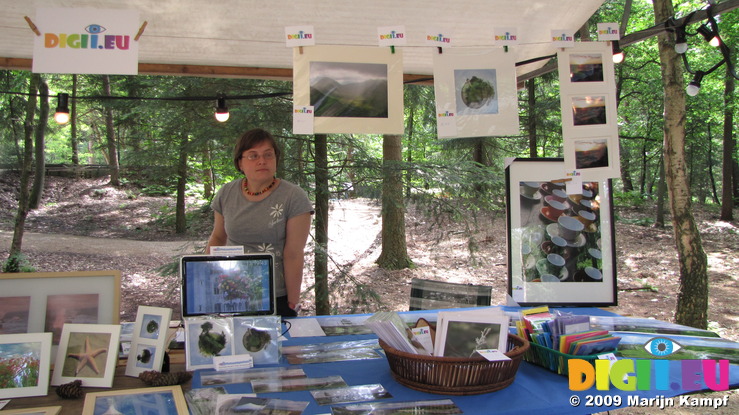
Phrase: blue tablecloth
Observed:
(535, 390)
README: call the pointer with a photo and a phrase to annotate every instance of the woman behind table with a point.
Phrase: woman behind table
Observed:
(264, 214)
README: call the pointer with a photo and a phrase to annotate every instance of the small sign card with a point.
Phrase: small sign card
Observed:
(299, 36)
(608, 31)
(437, 37)
(391, 35)
(506, 36)
(562, 38)
(303, 119)
(233, 362)
(493, 354)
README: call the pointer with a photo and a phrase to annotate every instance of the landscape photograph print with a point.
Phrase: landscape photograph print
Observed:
(348, 89)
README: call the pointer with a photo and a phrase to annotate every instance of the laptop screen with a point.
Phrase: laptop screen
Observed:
(227, 285)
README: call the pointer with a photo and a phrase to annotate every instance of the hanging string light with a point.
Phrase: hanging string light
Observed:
(61, 115)
(618, 54)
(222, 113)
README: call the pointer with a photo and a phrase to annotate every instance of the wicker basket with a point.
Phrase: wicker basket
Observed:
(455, 375)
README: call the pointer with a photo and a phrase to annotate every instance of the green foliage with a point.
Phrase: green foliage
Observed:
(629, 199)
(17, 263)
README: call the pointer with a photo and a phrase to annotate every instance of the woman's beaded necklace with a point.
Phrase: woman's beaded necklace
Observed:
(246, 188)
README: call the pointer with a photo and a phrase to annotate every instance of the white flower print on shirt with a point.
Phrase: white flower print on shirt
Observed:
(276, 211)
(267, 248)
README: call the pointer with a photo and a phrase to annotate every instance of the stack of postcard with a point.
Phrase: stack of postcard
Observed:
(569, 334)
(465, 333)
(392, 330)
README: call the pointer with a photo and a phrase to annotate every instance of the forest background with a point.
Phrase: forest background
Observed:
(156, 135)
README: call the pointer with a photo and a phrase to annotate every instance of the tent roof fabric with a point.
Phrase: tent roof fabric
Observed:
(250, 33)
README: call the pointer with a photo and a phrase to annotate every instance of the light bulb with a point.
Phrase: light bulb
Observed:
(61, 115)
(692, 89)
(618, 57)
(715, 42)
(222, 114)
(681, 47)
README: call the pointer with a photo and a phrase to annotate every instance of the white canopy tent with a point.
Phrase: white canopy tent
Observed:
(246, 37)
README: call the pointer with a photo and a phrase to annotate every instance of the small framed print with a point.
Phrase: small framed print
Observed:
(164, 400)
(560, 245)
(595, 157)
(586, 66)
(149, 340)
(88, 352)
(25, 360)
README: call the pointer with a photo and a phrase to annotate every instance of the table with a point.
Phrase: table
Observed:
(534, 391)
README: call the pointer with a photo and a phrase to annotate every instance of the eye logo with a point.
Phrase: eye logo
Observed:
(661, 346)
(95, 29)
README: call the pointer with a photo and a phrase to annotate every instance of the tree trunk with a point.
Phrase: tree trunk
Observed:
(110, 135)
(37, 190)
(180, 222)
(394, 253)
(709, 167)
(323, 305)
(208, 174)
(20, 218)
(73, 125)
(692, 299)
(727, 201)
(659, 221)
(531, 87)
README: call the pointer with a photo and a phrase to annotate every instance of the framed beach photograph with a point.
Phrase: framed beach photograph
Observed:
(477, 86)
(88, 352)
(561, 246)
(25, 360)
(353, 89)
(35, 302)
(164, 400)
(149, 340)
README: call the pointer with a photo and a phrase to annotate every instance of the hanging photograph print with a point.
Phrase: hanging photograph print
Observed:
(477, 89)
(352, 89)
(589, 116)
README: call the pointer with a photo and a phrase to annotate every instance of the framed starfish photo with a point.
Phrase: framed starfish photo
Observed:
(25, 360)
(88, 352)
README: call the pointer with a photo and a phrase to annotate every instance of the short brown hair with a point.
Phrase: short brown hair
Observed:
(251, 139)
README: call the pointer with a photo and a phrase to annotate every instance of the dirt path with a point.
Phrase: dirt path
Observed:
(90, 246)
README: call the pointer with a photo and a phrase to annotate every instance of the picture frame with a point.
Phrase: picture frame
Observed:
(206, 338)
(329, 77)
(45, 301)
(163, 400)
(561, 247)
(462, 333)
(46, 410)
(26, 357)
(589, 112)
(149, 340)
(88, 352)
(477, 86)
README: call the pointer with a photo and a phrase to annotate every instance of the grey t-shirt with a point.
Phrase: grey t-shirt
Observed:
(260, 226)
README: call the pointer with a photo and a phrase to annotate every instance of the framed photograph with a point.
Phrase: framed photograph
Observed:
(561, 246)
(164, 400)
(88, 352)
(587, 66)
(461, 334)
(478, 86)
(589, 115)
(25, 360)
(353, 89)
(46, 410)
(149, 340)
(206, 338)
(36, 302)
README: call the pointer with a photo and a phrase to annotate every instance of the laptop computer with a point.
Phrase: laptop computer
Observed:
(233, 285)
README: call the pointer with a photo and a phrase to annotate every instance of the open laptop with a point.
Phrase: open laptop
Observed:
(233, 285)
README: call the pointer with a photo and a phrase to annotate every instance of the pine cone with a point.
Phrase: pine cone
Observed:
(155, 378)
(71, 390)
